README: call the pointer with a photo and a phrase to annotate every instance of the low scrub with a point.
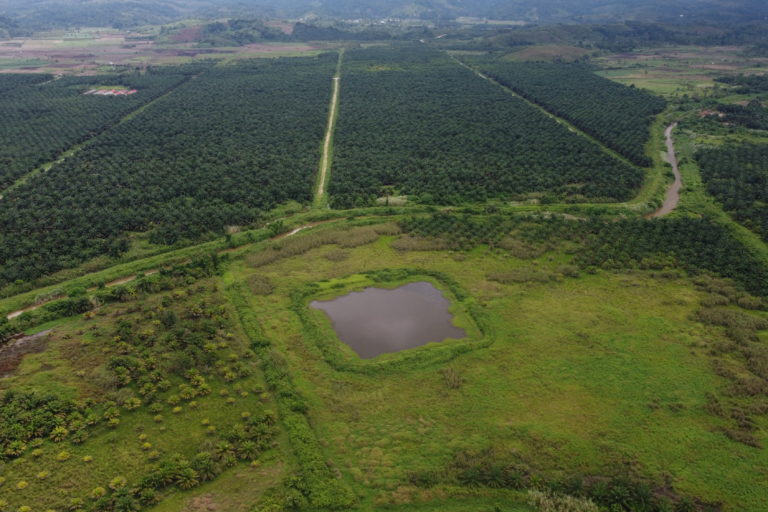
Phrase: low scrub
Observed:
(521, 275)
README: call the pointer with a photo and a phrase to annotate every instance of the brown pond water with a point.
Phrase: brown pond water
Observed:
(377, 321)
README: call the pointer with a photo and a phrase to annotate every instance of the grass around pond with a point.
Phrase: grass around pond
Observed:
(587, 375)
(577, 374)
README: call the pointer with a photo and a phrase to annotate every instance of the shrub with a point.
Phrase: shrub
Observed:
(451, 377)
(337, 255)
(550, 502)
(260, 285)
(76, 504)
(98, 492)
(22, 485)
(132, 403)
(87, 458)
(521, 275)
(58, 434)
(63, 456)
(42, 475)
(118, 483)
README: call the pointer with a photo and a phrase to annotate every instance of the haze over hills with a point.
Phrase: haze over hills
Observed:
(48, 13)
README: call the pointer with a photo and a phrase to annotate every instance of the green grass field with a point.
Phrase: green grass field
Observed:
(590, 375)
(586, 375)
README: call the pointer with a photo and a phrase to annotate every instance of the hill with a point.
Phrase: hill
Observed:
(57, 13)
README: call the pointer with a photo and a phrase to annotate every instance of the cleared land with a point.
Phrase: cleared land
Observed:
(675, 71)
(96, 52)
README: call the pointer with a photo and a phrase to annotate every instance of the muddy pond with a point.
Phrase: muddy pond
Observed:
(377, 321)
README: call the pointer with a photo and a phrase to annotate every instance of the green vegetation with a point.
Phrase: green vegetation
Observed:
(618, 116)
(45, 117)
(738, 177)
(237, 140)
(414, 120)
(407, 429)
(167, 358)
(155, 393)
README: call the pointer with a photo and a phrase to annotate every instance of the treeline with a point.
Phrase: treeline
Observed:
(753, 115)
(617, 115)
(746, 84)
(11, 82)
(235, 141)
(413, 120)
(689, 243)
(42, 120)
(693, 244)
(612, 37)
(738, 177)
(238, 32)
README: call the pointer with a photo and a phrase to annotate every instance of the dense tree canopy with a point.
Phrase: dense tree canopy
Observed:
(738, 177)
(44, 117)
(413, 119)
(237, 139)
(617, 115)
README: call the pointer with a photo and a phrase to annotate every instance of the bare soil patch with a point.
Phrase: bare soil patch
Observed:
(13, 351)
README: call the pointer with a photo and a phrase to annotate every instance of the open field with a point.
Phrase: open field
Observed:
(674, 71)
(99, 52)
(579, 346)
(567, 374)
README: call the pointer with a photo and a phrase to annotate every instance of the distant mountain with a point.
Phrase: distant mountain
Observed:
(57, 13)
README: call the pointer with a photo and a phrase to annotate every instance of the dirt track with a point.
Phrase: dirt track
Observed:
(673, 192)
(324, 164)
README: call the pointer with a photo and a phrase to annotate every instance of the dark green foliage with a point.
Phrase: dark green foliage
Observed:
(306, 32)
(236, 140)
(754, 115)
(25, 416)
(6, 329)
(746, 84)
(9, 82)
(738, 177)
(693, 244)
(688, 243)
(617, 115)
(238, 32)
(416, 121)
(167, 279)
(496, 469)
(43, 118)
(462, 231)
(316, 484)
